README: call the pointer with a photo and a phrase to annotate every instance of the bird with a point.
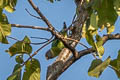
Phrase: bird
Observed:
(57, 45)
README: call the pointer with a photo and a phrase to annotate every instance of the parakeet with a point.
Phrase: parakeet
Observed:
(57, 45)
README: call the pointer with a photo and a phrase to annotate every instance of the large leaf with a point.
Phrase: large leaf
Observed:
(20, 47)
(32, 70)
(5, 28)
(97, 67)
(106, 12)
(10, 7)
(16, 75)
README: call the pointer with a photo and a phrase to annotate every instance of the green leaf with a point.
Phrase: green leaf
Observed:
(4, 19)
(5, 30)
(99, 46)
(89, 38)
(56, 48)
(32, 70)
(3, 3)
(110, 29)
(118, 57)
(117, 3)
(105, 11)
(19, 59)
(100, 50)
(118, 61)
(1, 10)
(93, 27)
(93, 22)
(20, 47)
(16, 75)
(97, 67)
(26, 39)
(113, 64)
(10, 7)
(98, 38)
(55, 51)
(117, 6)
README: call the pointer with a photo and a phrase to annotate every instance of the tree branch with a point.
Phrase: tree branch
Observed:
(32, 14)
(41, 15)
(54, 69)
(64, 59)
(62, 67)
(52, 30)
(28, 26)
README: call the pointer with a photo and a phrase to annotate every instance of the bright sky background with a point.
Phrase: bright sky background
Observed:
(56, 13)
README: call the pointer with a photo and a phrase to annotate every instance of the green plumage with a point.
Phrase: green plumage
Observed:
(57, 45)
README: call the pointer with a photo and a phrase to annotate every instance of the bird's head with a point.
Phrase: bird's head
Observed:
(48, 55)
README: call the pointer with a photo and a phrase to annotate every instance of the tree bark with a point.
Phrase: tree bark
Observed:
(56, 69)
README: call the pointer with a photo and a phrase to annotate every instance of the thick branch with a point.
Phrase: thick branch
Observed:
(87, 51)
(54, 69)
(82, 53)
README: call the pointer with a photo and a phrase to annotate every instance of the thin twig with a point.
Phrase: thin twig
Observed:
(42, 42)
(32, 14)
(76, 42)
(37, 52)
(41, 15)
(39, 38)
(26, 42)
(74, 18)
(13, 38)
(39, 43)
